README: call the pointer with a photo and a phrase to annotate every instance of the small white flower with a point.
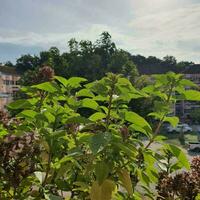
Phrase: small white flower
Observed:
(115, 96)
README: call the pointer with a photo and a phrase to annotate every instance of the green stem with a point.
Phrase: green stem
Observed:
(162, 119)
(109, 108)
(48, 170)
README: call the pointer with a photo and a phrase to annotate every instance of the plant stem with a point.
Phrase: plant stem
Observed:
(47, 171)
(109, 109)
(111, 93)
(162, 119)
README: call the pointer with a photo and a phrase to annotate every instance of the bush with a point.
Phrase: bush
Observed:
(53, 148)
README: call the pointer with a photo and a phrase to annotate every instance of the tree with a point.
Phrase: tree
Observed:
(9, 64)
(55, 60)
(105, 48)
(117, 60)
(27, 62)
(130, 71)
(169, 60)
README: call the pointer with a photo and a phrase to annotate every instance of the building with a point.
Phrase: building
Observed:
(183, 109)
(8, 84)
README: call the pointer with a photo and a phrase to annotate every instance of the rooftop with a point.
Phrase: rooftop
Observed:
(8, 70)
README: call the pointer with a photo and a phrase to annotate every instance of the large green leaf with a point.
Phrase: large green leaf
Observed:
(84, 93)
(89, 103)
(22, 103)
(103, 191)
(191, 95)
(179, 154)
(98, 142)
(172, 120)
(124, 177)
(137, 119)
(47, 86)
(74, 82)
(97, 116)
(186, 82)
(28, 113)
(101, 171)
(50, 117)
(62, 80)
(129, 152)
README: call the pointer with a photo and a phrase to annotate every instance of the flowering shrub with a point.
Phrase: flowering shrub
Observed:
(185, 185)
(80, 140)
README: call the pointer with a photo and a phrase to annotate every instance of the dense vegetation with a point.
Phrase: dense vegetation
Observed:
(77, 139)
(94, 60)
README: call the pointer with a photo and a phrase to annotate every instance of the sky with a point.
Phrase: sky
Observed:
(146, 27)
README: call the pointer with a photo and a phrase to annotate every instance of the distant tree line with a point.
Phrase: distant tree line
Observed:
(93, 61)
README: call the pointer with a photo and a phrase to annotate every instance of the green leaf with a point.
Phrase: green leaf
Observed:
(47, 86)
(28, 113)
(138, 129)
(62, 80)
(89, 103)
(186, 82)
(101, 171)
(178, 153)
(98, 142)
(103, 191)
(172, 120)
(51, 118)
(191, 95)
(129, 152)
(22, 104)
(137, 120)
(97, 116)
(160, 138)
(78, 119)
(99, 88)
(74, 82)
(124, 177)
(3, 131)
(84, 93)
(143, 177)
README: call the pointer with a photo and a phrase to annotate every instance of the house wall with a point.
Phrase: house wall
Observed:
(184, 108)
(8, 87)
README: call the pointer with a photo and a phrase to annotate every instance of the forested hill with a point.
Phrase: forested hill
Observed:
(93, 59)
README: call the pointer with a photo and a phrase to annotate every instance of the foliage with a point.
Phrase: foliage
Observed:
(40, 75)
(92, 60)
(185, 185)
(195, 115)
(76, 156)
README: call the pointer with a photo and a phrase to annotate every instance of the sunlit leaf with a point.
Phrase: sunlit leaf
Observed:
(103, 191)
(101, 171)
(97, 116)
(124, 177)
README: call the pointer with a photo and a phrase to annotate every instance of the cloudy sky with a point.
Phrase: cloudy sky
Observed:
(147, 27)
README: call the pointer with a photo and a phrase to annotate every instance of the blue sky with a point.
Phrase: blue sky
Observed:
(147, 27)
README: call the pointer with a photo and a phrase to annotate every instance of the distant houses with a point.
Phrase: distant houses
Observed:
(8, 84)
(182, 109)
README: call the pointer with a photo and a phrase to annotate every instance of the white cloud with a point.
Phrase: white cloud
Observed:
(174, 32)
(148, 27)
